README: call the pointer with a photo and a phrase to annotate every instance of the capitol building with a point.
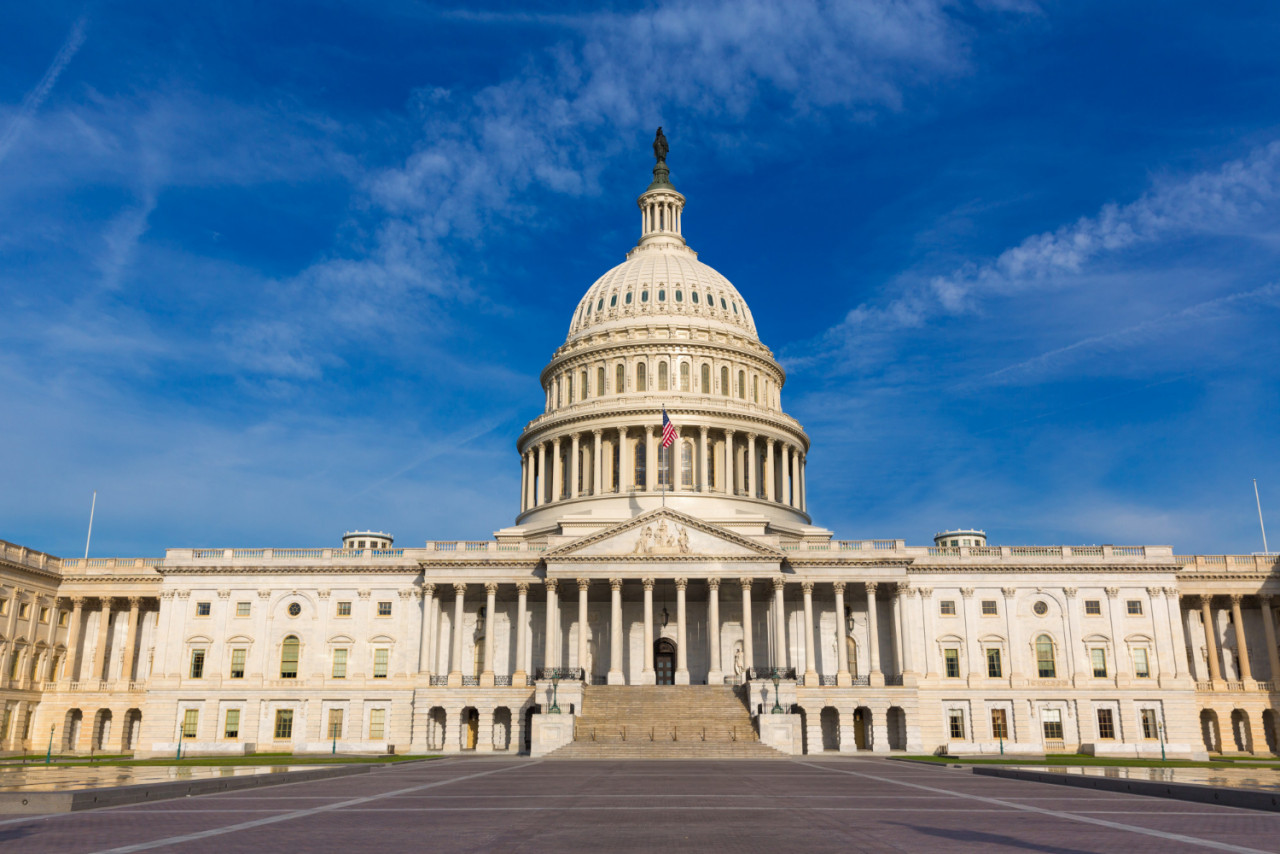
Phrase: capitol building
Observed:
(661, 593)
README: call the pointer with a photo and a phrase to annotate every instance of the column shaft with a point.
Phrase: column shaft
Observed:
(491, 625)
(843, 677)
(779, 626)
(424, 642)
(810, 665)
(727, 474)
(748, 651)
(749, 475)
(542, 475)
(583, 585)
(1269, 632)
(597, 463)
(557, 469)
(770, 472)
(646, 674)
(71, 668)
(896, 611)
(703, 458)
(455, 665)
(1244, 671)
(1210, 638)
(615, 633)
(100, 651)
(682, 634)
(626, 459)
(131, 638)
(549, 654)
(715, 673)
(575, 468)
(786, 473)
(519, 676)
(873, 631)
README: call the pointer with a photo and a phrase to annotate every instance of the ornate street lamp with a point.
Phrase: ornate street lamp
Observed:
(777, 707)
(555, 684)
(49, 754)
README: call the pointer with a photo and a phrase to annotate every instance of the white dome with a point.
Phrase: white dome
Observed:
(663, 281)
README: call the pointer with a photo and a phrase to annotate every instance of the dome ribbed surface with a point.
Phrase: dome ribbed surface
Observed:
(671, 277)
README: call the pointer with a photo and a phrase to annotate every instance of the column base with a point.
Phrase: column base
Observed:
(715, 677)
(648, 677)
(682, 677)
(844, 679)
(811, 680)
(875, 679)
(519, 679)
(486, 680)
(455, 679)
(615, 677)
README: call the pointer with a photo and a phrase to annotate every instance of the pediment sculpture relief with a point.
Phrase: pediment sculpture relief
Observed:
(662, 540)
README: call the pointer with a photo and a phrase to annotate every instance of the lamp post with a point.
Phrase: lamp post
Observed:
(1160, 729)
(49, 753)
(777, 707)
(555, 686)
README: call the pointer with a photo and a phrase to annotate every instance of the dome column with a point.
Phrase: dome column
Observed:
(575, 469)
(651, 458)
(524, 482)
(541, 476)
(749, 475)
(703, 459)
(557, 468)
(786, 473)
(771, 475)
(727, 474)
(597, 462)
(625, 460)
(804, 492)
(795, 478)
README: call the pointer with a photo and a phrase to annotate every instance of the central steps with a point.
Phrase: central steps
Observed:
(664, 722)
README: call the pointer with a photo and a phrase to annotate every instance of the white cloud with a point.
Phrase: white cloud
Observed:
(34, 98)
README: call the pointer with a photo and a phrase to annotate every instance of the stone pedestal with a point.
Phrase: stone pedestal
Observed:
(782, 733)
(549, 733)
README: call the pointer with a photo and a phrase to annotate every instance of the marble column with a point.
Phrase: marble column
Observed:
(584, 584)
(557, 471)
(779, 625)
(749, 476)
(597, 463)
(727, 474)
(100, 651)
(901, 647)
(615, 633)
(455, 663)
(1244, 671)
(810, 666)
(1269, 632)
(786, 473)
(71, 668)
(520, 676)
(549, 654)
(748, 653)
(647, 676)
(1210, 638)
(626, 462)
(843, 677)
(715, 673)
(1163, 645)
(873, 635)
(651, 458)
(795, 478)
(575, 468)
(804, 492)
(703, 458)
(46, 673)
(131, 638)
(424, 641)
(524, 482)
(541, 476)
(491, 616)
(682, 634)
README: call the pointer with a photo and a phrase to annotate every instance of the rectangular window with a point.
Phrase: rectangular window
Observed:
(1098, 656)
(24, 610)
(44, 615)
(62, 618)
(4, 607)
(1052, 720)
(384, 609)
(955, 719)
(232, 729)
(1093, 607)
(952, 659)
(1134, 607)
(344, 609)
(242, 609)
(1141, 668)
(190, 720)
(999, 725)
(197, 664)
(339, 664)
(994, 670)
(1106, 725)
(1150, 725)
(203, 609)
(947, 607)
(284, 723)
(237, 663)
(380, 663)
(335, 723)
(989, 608)
(377, 724)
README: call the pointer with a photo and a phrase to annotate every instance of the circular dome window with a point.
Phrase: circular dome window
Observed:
(294, 609)
(1041, 608)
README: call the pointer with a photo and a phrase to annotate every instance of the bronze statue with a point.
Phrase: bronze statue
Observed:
(660, 147)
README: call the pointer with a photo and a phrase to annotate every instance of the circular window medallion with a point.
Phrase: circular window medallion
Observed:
(295, 609)
(1041, 608)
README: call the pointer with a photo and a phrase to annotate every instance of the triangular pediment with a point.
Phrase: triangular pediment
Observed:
(664, 533)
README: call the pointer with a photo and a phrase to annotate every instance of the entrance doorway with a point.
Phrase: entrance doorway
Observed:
(473, 728)
(664, 662)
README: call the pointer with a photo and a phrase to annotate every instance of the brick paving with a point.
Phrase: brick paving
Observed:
(518, 805)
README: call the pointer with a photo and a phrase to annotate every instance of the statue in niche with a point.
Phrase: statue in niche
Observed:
(739, 664)
(588, 665)
(660, 147)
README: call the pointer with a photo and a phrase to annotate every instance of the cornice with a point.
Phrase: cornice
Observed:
(923, 569)
(345, 569)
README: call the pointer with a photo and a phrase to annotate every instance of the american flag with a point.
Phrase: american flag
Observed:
(668, 430)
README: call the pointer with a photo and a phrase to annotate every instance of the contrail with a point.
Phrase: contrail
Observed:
(36, 96)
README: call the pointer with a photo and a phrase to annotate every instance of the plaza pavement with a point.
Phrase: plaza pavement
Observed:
(518, 805)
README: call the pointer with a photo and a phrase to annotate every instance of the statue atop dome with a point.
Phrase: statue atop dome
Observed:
(660, 147)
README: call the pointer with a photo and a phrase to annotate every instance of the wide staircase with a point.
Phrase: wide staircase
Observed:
(664, 722)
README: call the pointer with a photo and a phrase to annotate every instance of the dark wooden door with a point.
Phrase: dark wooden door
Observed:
(664, 663)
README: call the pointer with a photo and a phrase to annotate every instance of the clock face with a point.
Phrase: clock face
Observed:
(294, 609)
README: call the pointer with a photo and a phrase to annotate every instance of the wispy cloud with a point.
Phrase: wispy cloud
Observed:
(36, 96)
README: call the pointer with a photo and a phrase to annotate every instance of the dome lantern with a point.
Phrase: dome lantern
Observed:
(661, 205)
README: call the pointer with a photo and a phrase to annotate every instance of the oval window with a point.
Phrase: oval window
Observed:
(679, 296)
(694, 294)
(722, 305)
(711, 300)
(628, 299)
(600, 304)
(644, 296)
(662, 295)
(613, 301)
(735, 308)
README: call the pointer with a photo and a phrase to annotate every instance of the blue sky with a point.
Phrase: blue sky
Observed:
(269, 272)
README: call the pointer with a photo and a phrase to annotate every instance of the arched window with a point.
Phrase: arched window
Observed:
(600, 304)
(742, 385)
(724, 381)
(585, 389)
(706, 379)
(679, 296)
(694, 294)
(755, 389)
(640, 459)
(558, 391)
(662, 376)
(684, 376)
(641, 385)
(628, 299)
(613, 301)
(616, 456)
(600, 382)
(289, 658)
(1045, 663)
(662, 294)
(686, 464)
(569, 382)
(644, 296)
(620, 379)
